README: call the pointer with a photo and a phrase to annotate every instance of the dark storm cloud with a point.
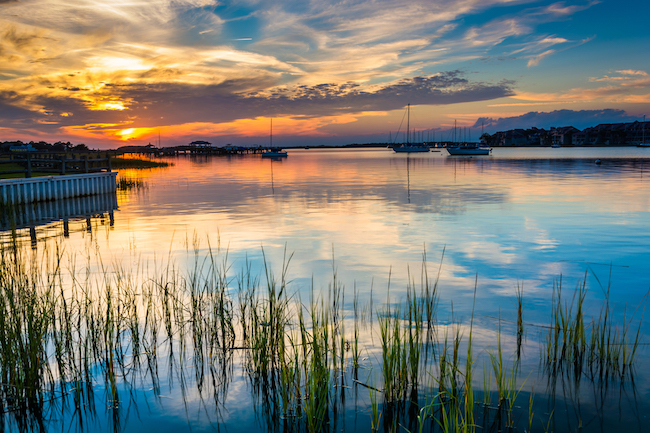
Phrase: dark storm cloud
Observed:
(580, 119)
(441, 89)
(178, 103)
(10, 111)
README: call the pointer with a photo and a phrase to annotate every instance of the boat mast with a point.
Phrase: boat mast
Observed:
(271, 134)
(408, 119)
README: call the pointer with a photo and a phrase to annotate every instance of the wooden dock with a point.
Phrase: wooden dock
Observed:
(45, 188)
(199, 150)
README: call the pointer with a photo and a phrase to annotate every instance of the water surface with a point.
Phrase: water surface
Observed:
(520, 218)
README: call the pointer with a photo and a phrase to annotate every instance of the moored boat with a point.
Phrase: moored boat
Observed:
(409, 147)
(469, 150)
(273, 152)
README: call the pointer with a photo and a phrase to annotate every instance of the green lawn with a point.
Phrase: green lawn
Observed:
(116, 163)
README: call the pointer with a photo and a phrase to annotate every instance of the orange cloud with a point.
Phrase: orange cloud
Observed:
(177, 134)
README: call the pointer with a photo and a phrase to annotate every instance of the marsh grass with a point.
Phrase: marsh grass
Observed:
(136, 163)
(505, 380)
(519, 292)
(599, 350)
(130, 183)
(64, 329)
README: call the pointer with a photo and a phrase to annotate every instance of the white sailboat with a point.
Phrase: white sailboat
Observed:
(408, 147)
(273, 152)
(470, 149)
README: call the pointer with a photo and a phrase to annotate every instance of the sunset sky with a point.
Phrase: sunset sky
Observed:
(110, 73)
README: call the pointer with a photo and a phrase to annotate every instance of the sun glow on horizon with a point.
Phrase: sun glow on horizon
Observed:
(108, 105)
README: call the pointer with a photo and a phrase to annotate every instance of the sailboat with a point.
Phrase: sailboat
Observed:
(643, 142)
(273, 152)
(471, 149)
(407, 147)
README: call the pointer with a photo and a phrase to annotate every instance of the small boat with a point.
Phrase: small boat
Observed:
(408, 147)
(469, 149)
(555, 146)
(273, 152)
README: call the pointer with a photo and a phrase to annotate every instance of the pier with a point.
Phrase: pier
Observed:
(51, 219)
(45, 188)
(195, 150)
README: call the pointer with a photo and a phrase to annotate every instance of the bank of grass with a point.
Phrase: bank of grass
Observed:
(116, 164)
(12, 166)
(64, 329)
(136, 163)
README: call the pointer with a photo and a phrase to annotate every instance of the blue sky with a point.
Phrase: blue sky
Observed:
(110, 73)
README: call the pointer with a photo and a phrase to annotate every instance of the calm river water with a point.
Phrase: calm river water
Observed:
(519, 219)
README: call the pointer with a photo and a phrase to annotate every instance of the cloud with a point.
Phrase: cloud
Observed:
(627, 78)
(149, 105)
(156, 63)
(633, 72)
(560, 9)
(620, 88)
(580, 119)
(538, 58)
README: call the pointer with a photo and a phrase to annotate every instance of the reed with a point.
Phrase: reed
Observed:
(519, 293)
(317, 370)
(355, 339)
(601, 348)
(393, 353)
(66, 328)
(506, 381)
(130, 183)
(375, 413)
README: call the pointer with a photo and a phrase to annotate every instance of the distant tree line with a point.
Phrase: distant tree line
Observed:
(42, 146)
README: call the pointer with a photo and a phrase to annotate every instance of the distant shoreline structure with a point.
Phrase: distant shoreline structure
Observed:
(602, 135)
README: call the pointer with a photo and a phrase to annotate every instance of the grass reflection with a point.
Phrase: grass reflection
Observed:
(67, 331)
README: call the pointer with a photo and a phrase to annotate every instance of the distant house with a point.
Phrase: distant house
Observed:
(579, 138)
(637, 132)
(611, 134)
(515, 137)
(22, 148)
(200, 143)
(563, 135)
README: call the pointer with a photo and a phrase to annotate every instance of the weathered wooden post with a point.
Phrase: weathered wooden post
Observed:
(108, 159)
(32, 236)
(63, 164)
(28, 168)
(86, 164)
